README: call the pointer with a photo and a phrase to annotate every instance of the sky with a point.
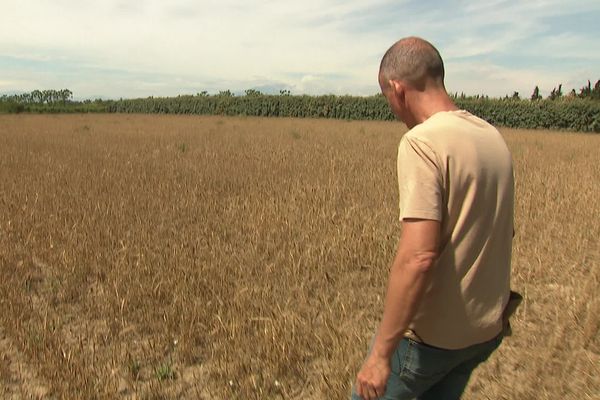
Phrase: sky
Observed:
(140, 48)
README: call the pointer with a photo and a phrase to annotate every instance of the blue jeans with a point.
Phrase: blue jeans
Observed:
(424, 372)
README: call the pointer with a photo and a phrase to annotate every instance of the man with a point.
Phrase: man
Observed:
(449, 282)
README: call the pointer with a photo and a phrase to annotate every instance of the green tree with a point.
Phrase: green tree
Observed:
(586, 91)
(556, 93)
(37, 97)
(596, 91)
(253, 92)
(536, 94)
(65, 95)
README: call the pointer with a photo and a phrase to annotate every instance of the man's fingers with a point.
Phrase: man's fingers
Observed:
(359, 389)
(372, 393)
(362, 389)
(368, 391)
(364, 392)
(375, 392)
(371, 382)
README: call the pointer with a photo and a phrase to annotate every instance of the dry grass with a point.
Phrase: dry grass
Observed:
(203, 257)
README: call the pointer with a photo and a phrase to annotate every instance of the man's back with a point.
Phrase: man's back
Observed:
(449, 280)
(455, 168)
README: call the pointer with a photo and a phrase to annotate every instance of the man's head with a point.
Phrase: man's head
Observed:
(411, 66)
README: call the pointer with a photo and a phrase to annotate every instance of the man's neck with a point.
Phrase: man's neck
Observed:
(428, 103)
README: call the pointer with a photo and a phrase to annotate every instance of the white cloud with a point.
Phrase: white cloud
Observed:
(136, 48)
(471, 77)
(225, 39)
(11, 85)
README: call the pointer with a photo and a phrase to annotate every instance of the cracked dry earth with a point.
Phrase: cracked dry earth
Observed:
(18, 378)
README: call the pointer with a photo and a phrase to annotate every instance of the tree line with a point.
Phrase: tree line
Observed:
(40, 97)
(586, 92)
(49, 101)
(577, 112)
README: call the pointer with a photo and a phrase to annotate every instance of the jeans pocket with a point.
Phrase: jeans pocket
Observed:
(399, 359)
(428, 361)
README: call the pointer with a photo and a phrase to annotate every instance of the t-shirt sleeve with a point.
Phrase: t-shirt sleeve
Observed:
(419, 181)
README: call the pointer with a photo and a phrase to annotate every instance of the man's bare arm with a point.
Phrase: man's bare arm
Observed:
(409, 277)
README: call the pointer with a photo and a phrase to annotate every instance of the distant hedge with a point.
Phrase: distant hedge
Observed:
(570, 114)
(304, 106)
(12, 107)
(566, 113)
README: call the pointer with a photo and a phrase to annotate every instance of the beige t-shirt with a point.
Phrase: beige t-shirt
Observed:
(456, 168)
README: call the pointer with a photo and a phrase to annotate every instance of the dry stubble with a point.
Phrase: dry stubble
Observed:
(207, 257)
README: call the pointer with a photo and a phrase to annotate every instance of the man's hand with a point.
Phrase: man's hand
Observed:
(372, 378)
(410, 275)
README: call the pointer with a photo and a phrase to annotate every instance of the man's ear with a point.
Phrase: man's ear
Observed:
(398, 90)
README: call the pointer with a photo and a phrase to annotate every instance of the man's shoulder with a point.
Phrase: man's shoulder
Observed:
(432, 126)
(424, 134)
(449, 125)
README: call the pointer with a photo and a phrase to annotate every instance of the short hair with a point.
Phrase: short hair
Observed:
(413, 60)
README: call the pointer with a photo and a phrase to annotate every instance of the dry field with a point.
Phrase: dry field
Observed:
(150, 257)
